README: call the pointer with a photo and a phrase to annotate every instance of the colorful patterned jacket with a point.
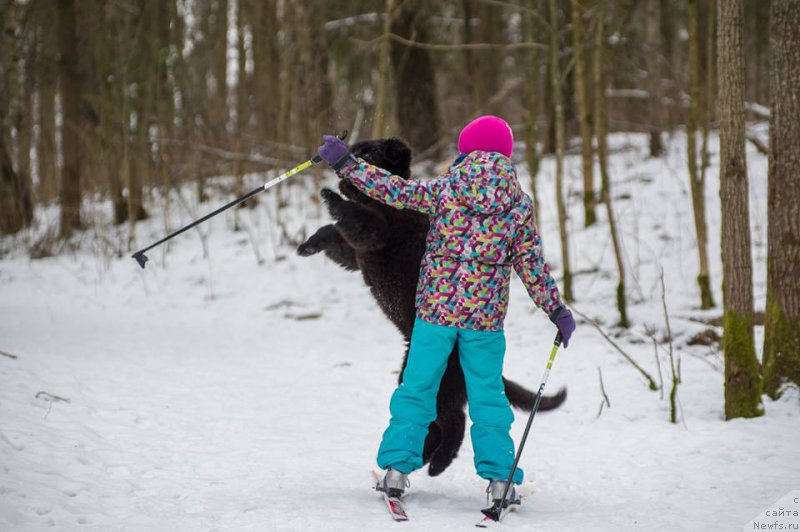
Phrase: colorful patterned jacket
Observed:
(481, 224)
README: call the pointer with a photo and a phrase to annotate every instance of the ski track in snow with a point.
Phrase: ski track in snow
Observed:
(220, 394)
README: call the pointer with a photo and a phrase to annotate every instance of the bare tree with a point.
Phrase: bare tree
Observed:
(742, 386)
(653, 60)
(16, 210)
(696, 177)
(70, 96)
(532, 104)
(601, 132)
(584, 114)
(413, 67)
(379, 118)
(782, 323)
(47, 85)
(555, 83)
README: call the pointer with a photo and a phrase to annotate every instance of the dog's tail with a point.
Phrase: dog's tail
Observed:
(523, 398)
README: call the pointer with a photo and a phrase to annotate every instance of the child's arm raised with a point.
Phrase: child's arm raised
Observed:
(393, 190)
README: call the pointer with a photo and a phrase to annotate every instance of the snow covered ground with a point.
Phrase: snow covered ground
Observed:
(222, 394)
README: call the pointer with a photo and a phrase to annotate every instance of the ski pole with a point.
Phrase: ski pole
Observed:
(495, 510)
(140, 256)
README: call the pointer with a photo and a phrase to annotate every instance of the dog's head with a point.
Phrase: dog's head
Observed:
(392, 154)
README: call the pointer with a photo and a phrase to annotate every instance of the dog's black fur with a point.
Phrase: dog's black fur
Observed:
(387, 245)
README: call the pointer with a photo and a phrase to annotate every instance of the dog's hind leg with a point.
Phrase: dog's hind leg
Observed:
(450, 415)
(432, 441)
(451, 425)
(328, 239)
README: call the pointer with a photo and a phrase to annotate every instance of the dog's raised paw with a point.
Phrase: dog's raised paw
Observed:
(333, 201)
(306, 249)
(329, 196)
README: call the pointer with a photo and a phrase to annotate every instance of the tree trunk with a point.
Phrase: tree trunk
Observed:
(584, 114)
(70, 194)
(412, 67)
(555, 83)
(469, 59)
(697, 185)
(266, 66)
(143, 73)
(379, 118)
(46, 140)
(219, 68)
(288, 55)
(16, 206)
(782, 322)
(711, 88)
(532, 104)
(601, 132)
(742, 387)
(653, 60)
(110, 68)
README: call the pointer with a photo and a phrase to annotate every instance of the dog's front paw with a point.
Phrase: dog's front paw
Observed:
(334, 202)
(307, 248)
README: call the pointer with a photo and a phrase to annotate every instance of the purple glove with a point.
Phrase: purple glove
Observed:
(562, 318)
(333, 151)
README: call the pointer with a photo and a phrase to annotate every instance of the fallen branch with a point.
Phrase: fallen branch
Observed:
(230, 155)
(760, 145)
(651, 383)
(447, 47)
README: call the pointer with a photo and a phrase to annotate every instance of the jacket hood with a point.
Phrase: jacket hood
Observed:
(486, 182)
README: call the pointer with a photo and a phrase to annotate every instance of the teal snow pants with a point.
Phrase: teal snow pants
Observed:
(413, 404)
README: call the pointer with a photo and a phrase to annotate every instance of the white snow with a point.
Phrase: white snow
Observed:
(222, 394)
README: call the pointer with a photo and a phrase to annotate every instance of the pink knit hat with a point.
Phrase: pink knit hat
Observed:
(487, 133)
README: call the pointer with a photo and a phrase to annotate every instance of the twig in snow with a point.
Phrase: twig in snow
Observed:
(9, 355)
(605, 400)
(673, 413)
(652, 334)
(651, 383)
(50, 398)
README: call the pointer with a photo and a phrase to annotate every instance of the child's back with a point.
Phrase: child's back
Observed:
(481, 226)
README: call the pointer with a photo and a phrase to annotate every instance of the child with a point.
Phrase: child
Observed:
(481, 223)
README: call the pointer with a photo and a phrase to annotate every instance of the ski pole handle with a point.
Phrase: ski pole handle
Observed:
(297, 169)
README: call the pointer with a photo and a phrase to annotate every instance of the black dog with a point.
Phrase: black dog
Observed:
(387, 245)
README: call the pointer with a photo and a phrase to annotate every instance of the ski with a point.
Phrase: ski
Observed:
(395, 506)
(488, 521)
